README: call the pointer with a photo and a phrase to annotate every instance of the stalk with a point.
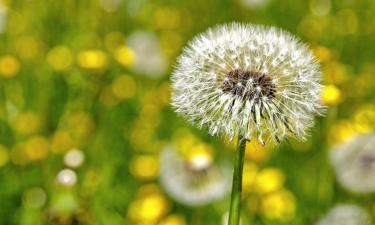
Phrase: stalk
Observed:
(235, 203)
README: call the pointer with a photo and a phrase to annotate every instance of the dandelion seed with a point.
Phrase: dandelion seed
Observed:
(266, 85)
(354, 163)
(195, 180)
(345, 215)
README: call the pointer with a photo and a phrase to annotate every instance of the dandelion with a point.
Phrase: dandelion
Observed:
(193, 180)
(149, 58)
(249, 81)
(345, 214)
(354, 163)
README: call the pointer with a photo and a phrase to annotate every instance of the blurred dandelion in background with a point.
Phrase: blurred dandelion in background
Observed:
(3, 16)
(255, 4)
(149, 59)
(67, 177)
(354, 163)
(192, 178)
(74, 158)
(345, 214)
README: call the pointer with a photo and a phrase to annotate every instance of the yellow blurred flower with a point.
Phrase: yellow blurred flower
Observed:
(170, 42)
(364, 119)
(9, 66)
(173, 220)
(198, 149)
(80, 125)
(323, 54)
(124, 87)
(250, 171)
(141, 138)
(114, 40)
(60, 58)
(18, 154)
(4, 157)
(346, 22)
(92, 59)
(342, 131)
(61, 141)
(199, 157)
(256, 151)
(313, 27)
(91, 181)
(29, 47)
(331, 95)
(334, 72)
(124, 55)
(164, 93)
(149, 206)
(27, 123)
(149, 116)
(279, 205)
(37, 148)
(183, 139)
(269, 180)
(144, 167)
(166, 18)
(107, 98)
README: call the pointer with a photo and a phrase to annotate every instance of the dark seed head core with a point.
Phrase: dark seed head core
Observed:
(368, 161)
(249, 84)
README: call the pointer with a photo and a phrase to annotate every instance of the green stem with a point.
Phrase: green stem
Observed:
(235, 203)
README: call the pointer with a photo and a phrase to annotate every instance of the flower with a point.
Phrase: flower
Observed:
(149, 58)
(193, 180)
(250, 80)
(354, 163)
(345, 215)
(254, 4)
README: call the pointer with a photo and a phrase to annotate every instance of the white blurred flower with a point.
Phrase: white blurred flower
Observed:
(74, 158)
(34, 198)
(255, 4)
(256, 81)
(354, 163)
(149, 59)
(110, 5)
(3, 16)
(67, 177)
(195, 181)
(345, 215)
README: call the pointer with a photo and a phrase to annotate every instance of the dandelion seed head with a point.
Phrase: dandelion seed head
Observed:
(256, 81)
(199, 163)
(345, 214)
(354, 163)
(194, 180)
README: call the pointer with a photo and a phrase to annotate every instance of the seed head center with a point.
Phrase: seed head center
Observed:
(249, 85)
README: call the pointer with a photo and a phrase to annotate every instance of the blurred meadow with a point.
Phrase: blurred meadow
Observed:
(85, 113)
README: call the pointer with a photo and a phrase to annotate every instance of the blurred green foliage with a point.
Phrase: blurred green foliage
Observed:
(78, 91)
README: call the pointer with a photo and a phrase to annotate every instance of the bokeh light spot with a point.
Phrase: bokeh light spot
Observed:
(60, 58)
(124, 87)
(9, 66)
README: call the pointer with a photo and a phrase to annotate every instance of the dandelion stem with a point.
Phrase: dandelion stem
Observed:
(235, 203)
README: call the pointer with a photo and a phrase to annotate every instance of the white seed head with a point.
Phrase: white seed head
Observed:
(345, 215)
(269, 90)
(194, 183)
(354, 163)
